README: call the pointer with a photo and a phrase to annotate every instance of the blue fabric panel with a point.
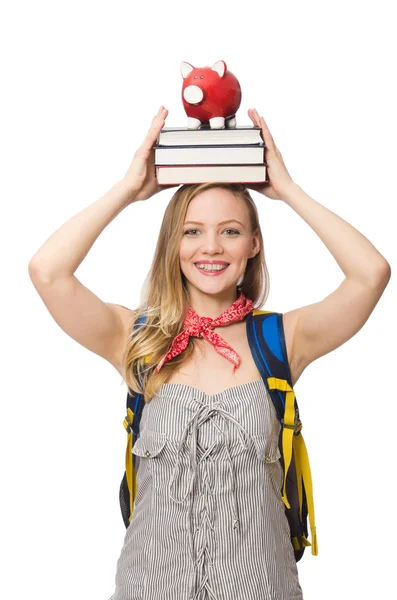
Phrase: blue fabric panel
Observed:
(271, 336)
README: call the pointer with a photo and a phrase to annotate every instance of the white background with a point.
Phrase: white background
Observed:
(82, 82)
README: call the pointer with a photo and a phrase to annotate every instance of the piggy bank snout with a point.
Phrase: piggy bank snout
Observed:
(193, 94)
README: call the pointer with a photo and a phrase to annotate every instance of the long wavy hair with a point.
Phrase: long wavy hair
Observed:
(164, 300)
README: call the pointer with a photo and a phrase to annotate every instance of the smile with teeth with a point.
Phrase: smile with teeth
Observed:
(210, 268)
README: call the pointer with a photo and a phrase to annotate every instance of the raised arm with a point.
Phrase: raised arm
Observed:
(323, 326)
(319, 328)
(98, 326)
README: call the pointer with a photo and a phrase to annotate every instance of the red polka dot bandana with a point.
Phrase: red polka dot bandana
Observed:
(203, 326)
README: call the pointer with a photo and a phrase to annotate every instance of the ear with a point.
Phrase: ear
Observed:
(255, 246)
(186, 68)
(220, 67)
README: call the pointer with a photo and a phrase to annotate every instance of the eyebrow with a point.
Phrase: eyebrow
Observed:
(220, 222)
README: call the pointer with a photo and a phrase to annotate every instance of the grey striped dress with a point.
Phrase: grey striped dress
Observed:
(208, 520)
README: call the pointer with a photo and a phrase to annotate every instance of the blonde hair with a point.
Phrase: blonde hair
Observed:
(164, 300)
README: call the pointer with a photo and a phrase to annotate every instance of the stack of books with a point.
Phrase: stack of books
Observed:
(235, 155)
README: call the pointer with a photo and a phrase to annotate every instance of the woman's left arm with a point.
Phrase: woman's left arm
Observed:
(326, 325)
(323, 326)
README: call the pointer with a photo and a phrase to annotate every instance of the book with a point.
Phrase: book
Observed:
(204, 136)
(210, 155)
(235, 155)
(174, 174)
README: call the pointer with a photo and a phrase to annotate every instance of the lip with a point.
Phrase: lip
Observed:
(215, 273)
(212, 262)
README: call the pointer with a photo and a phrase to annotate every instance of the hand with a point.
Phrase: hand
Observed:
(141, 175)
(279, 178)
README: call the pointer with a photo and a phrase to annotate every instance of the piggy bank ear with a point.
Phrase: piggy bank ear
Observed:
(186, 68)
(220, 67)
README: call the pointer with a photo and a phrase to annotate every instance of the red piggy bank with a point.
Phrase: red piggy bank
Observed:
(210, 95)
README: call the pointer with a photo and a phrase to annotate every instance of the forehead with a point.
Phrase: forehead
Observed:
(216, 205)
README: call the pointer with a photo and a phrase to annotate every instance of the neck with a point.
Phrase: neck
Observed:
(212, 305)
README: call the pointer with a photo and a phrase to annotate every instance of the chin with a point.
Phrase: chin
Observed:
(213, 287)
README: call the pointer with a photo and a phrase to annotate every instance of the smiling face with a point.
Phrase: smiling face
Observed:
(216, 231)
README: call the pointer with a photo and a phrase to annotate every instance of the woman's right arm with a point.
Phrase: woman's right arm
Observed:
(79, 312)
(98, 326)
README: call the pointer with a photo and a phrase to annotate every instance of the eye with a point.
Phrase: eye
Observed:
(195, 77)
(234, 231)
(201, 76)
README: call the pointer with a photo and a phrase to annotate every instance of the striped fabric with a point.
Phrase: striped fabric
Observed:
(208, 520)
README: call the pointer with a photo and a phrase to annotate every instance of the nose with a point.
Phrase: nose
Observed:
(211, 244)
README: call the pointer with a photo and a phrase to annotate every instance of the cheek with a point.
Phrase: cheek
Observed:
(186, 251)
(240, 250)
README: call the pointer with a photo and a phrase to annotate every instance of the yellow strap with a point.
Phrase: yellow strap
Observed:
(303, 459)
(299, 541)
(298, 478)
(296, 543)
(302, 464)
(306, 542)
(129, 466)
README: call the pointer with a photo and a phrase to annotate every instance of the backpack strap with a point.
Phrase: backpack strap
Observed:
(135, 404)
(266, 337)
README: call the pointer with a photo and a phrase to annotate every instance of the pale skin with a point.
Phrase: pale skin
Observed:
(310, 331)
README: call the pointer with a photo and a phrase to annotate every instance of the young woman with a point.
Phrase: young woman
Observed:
(208, 520)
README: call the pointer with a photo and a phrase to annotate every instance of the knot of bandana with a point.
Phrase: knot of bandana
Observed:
(197, 326)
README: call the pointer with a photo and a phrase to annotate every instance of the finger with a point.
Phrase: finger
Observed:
(269, 141)
(256, 120)
(157, 123)
(265, 127)
(253, 117)
(160, 113)
(151, 137)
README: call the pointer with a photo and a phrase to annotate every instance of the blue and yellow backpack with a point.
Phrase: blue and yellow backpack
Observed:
(265, 334)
